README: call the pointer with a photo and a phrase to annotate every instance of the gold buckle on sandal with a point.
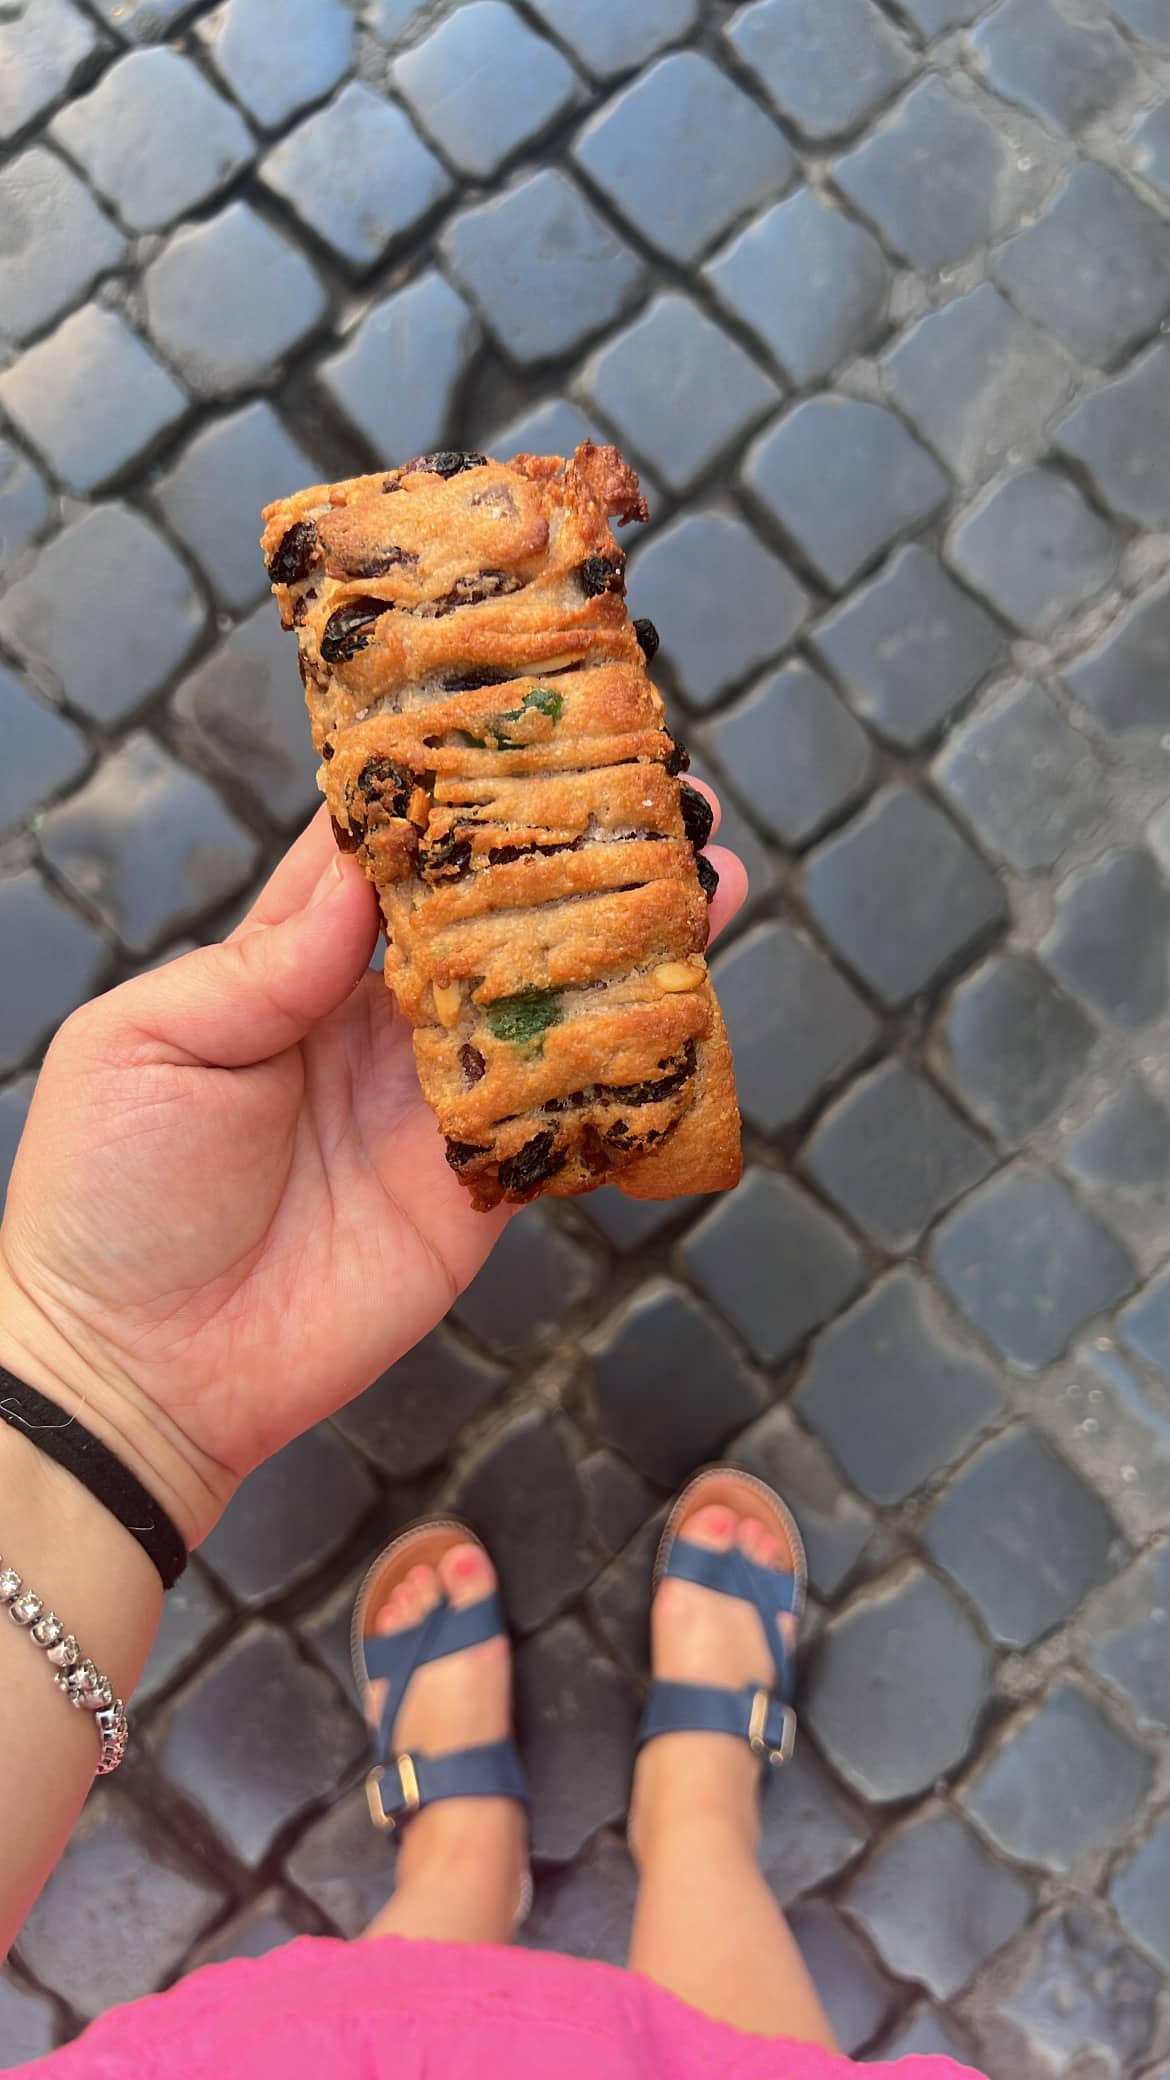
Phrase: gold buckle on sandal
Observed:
(758, 1721)
(408, 1781)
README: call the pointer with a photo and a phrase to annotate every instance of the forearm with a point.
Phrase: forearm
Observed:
(102, 1586)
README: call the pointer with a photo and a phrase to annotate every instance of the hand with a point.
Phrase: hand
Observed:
(231, 1208)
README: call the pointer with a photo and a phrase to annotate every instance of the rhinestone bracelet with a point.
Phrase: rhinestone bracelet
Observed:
(87, 1689)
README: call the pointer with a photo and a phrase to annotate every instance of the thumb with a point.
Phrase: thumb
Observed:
(260, 992)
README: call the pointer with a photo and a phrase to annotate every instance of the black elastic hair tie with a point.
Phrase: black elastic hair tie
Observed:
(63, 1438)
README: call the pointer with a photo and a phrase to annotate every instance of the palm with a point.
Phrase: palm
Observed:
(252, 1245)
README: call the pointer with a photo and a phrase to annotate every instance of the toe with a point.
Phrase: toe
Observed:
(467, 1575)
(759, 1544)
(713, 1527)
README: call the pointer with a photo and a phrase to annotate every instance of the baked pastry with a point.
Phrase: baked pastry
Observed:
(495, 754)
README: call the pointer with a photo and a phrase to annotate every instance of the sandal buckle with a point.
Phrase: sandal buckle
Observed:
(756, 1725)
(408, 1783)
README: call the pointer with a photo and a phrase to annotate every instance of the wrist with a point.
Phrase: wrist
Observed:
(47, 1350)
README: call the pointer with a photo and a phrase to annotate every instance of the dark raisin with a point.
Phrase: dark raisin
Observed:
(295, 555)
(594, 1153)
(708, 877)
(377, 565)
(447, 858)
(383, 784)
(448, 462)
(697, 814)
(619, 1135)
(460, 1153)
(681, 1069)
(647, 635)
(348, 630)
(327, 752)
(602, 574)
(347, 841)
(503, 855)
(472, 589)
(471, 682)
(678, 759)
(472, 1063)
(539, 1159)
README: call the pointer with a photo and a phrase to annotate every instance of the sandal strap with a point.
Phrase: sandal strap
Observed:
(766, 1723)
(393, 1657)
(731, 1573)
(397, 1789)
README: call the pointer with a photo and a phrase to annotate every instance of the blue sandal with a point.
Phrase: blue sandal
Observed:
(398, 1785)
(764, 1718)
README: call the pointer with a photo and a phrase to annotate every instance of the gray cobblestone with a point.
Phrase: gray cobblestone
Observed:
(936, 1904)
(407, 1419)
(1065, 1782)
(60, 960)
(586, 1910)
(277, 56)
(545, 269)
(44, 49)
(1114, 434)
(682, 203)
(211, 496)
(1076, 1994)
(677, 578)
(523, 1496)
(344, 1866)
(893, 1154)
(892, 1393)
(576, 1719)
(678, 390)
(91, 398)
(1035, 548)
(834, 1523)
(289, 1517)
(1150, 147)
(1111, 941)
(482, 84)
(856, 1998)
(1123, 680)
(71, 614)
(980, 1531)
(843, 478)
(424, 334)
(795, 1023)
(796, 753)
(1069, 72)
(971, 192)
(536, 1276)
(795, 53)
(810, 283)
(1095, 270)
(228, 298)
(155, 138)
(39, 752)
(24, 504)
(908, 648)
(1141, 1894)
(669, 1390)
(1030, 785)
(1014, 1045)
(1122, 1156)
(155, 1909)
(978, 381)
(1128, 1631)
(148, 845)
(898, 1686)
(357, 174)
(243, 707)
(15, 1099)
(774, 1263)
(28, 2023)
(56, 241)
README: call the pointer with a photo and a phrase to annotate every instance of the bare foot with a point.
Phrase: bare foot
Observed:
(699, 1636)
(462, 1701)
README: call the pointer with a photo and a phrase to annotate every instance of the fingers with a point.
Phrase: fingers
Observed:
(731, 893)
(259, 992)
(292, 882)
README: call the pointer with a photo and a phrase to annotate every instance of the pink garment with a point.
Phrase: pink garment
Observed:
(393, 2010)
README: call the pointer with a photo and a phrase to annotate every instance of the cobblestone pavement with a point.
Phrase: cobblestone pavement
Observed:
(874, 294)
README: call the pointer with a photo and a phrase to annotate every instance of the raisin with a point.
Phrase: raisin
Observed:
(383, 784)
(503, 855)
(446, 859)
(377, 565)
(619, 1135)
(327, 752)
(650, 1093)
(472, 589)
(708, 876)
(697, 814)
(594, 1153)
(295, 555)
(678, 759)
(648, 637)
(348, 630)
(539, 1159)
(472, 1063)
(347, 841)
(472, 681)
(460, 1153)
(447, 462)
(602, 574)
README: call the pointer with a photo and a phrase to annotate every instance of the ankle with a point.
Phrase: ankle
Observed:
(695, 1794)
(478, 1842)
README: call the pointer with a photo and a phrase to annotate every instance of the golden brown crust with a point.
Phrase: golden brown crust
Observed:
(495, 754)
